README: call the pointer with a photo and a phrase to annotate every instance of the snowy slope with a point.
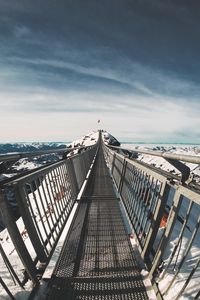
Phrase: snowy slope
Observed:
(161, 163)
(29, 147)
(86, 140)
(109, 139)
(26, 164)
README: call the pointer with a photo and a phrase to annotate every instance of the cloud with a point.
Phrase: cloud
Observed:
(134, 64)
(21, 31)
(126, 76)
(136, 119)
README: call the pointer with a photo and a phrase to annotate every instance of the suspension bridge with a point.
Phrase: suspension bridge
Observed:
(117, 199)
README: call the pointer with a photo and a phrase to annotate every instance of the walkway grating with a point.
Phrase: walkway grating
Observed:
(97, 260)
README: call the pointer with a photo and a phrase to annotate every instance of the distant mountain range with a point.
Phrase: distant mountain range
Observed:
(11, 168)
(29, 147)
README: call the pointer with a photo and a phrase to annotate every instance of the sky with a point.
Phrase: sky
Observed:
(132, 64)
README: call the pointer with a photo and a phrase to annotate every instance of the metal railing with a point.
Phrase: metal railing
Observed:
(165, 216)
(176, 160)
(45, 199)
(17, 156)
(181, 157)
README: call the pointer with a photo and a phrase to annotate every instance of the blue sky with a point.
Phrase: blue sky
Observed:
(133, 64)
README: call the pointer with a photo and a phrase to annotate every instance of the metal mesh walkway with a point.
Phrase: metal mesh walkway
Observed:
(97, 261)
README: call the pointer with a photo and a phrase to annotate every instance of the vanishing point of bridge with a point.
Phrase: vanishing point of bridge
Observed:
(97, 260)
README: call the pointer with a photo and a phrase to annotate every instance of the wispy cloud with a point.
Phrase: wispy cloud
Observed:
(21, 31)
(135, 65)
(130, 77)
(135, 118)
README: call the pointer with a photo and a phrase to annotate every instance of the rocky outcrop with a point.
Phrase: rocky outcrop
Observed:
(109, 139)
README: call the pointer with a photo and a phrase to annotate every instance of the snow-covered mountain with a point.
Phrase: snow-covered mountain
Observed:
(10, 169)
(109, 139)
(92, 137)
(29, 147)
(162, 164)
(26, 164)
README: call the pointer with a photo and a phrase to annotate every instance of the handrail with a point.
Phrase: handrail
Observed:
(16, 155)
(166, 155)
(45, 199)
(165, 219)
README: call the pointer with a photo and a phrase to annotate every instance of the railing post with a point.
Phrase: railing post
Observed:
(6, 289)
(10, 267)
(72, 177)
(168, 230)
(122, 176)
(17, 239)
(157, 217)
(113, 163)
(28, 221)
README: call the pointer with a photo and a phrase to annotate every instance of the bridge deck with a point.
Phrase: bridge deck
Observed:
(97, 260)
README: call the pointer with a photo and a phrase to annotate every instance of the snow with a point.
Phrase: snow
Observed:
(91, 138)
(25, 164)
(9, 248)
(194, 253)
(87, 140)
(109, 139)
(190, 262)
(15, 261)
(161, 163)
